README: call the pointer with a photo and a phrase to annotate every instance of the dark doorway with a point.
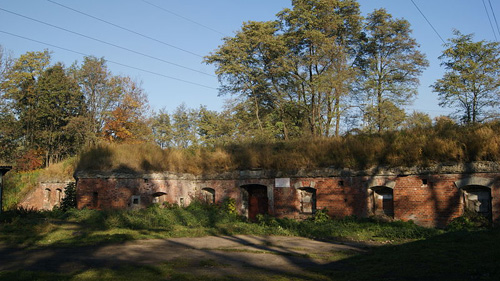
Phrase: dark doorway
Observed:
(478, 199)
(257, 200)
(208, 195)
(383, 201)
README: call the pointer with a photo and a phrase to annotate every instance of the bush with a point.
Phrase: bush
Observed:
(321, 216)
(470, 220)
(69, 200)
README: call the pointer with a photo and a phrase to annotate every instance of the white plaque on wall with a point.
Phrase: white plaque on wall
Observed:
(282, 182)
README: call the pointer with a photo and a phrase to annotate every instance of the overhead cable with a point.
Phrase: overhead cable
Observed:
(183, 17)
(494, 16)
(489, 19)
(428, 21)
(110, 61)
(107, 43)
(124, 28)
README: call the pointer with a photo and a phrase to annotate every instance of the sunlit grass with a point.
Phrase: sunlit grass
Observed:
(443, 142)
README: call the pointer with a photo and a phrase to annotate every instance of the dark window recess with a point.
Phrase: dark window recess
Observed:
(146, 180)
(135, 201)
(95, 199)
(341, 183)
(424, 181)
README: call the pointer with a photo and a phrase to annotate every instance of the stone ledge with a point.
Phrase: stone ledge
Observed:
(442, 168)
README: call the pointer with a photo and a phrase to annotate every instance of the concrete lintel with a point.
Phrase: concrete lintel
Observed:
(381, 182)
(299, 184)
(477, 181)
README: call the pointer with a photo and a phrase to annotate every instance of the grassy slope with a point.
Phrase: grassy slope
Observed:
(17, 184)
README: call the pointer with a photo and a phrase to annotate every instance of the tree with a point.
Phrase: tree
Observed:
(391, 118)
(19, 89)
(321, 37)
(246, 65)
(127, 121)
(391, 65)
(183, 127)
(59, 101)
(417, 120)
(294, 72)
(215, 128)
(7, 118)
(471, 82)
(162, 128)
(101, 91)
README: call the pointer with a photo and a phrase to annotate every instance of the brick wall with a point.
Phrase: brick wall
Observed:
(428, 199)
(45, 196)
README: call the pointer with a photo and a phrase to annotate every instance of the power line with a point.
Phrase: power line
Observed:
(494, 16)
(183, 17)
(124, 28)
(489, 19)
(110, 61)
(428, 21)
(107, 43)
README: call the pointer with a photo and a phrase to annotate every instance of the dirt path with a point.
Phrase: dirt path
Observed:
(228, 254)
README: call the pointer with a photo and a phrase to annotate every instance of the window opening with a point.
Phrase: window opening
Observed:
(208, 195)
(95, 199)
(307, 200)
(136, 200)
(383, 201)
(478, 199)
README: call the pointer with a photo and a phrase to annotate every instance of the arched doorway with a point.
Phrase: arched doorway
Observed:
(476, 195)
(158, 197)
(258, 202)
(208, 195)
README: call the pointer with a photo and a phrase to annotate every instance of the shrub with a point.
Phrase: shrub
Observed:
(69, 200)
(470, 220)
(321, 216)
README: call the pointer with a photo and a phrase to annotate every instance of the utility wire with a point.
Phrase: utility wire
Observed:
(107, 43)
(183, 17)
(495, 17)
(124, 28)
(110, 61)
(428, 21)
(489, 19)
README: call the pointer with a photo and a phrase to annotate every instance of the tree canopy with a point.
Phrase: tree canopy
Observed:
(471, 83)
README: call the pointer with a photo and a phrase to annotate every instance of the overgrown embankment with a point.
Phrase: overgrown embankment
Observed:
(443, 142)
(17, 184)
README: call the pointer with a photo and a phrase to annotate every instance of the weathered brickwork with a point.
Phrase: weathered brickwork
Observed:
(45, 196)
(431, 197)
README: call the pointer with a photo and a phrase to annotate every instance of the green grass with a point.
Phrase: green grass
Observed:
(87, 227)
(405, 251)
(18, 184)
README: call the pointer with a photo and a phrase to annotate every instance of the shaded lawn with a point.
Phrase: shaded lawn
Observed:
(90, 227)
(464, 255)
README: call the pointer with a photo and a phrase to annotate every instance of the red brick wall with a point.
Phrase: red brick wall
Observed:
(435, 203)
(45, 196)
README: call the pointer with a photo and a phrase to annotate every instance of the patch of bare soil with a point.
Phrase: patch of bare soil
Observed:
(211, 255)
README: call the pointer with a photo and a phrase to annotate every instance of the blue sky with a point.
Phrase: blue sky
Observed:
(223, 18)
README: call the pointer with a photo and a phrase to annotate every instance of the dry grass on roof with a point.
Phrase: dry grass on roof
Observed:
(443, 142)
